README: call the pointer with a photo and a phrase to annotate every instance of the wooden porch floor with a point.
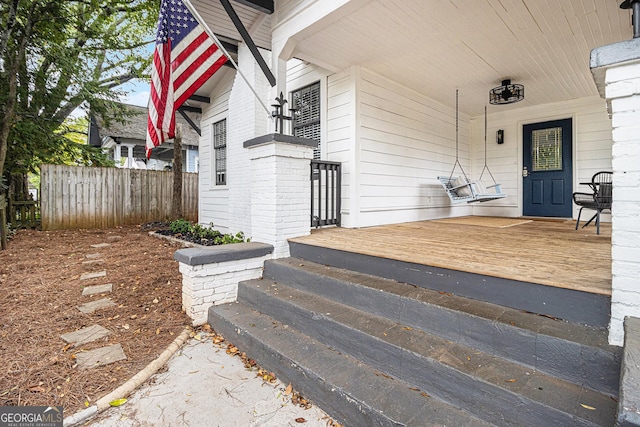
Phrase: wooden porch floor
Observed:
(547, 252)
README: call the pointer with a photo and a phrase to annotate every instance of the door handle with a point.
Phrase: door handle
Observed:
(525, 172)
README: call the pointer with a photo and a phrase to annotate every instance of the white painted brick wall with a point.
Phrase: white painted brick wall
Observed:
(623, 90)
(247, 119)
(213, 284)
(280, 194)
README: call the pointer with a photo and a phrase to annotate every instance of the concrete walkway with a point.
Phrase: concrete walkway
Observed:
(204, 386)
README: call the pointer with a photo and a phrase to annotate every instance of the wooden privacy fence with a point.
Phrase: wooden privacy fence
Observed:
(85, 197)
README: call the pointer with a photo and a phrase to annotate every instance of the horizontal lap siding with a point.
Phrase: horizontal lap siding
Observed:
(214, 200)
(407, 141)
(340, 122)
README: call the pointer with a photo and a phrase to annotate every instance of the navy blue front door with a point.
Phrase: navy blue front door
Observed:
(547, 169)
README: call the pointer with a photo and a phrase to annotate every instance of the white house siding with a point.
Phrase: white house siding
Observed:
(214, 200)
(393, 144)
(342, 140)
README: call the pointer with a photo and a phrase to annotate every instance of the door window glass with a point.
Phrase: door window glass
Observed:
(546, 149)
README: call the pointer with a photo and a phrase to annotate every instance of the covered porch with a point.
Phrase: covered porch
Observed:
(490, 257)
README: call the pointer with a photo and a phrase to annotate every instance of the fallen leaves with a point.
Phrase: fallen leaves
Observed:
(270, 377)
(266, 376)
(297, 399)
(232, 350)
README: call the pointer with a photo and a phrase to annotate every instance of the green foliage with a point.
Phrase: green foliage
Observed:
(197, 231)
(58, 56)
(180, 226)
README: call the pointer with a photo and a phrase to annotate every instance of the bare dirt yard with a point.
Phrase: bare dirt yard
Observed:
(40, 291)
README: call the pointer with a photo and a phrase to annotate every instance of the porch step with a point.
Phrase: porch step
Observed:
(350, 391)
(572, 305)
(573, 352)
(500, 365)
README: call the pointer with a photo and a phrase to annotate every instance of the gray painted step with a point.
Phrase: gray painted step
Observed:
(499, 391)
(351, 392)
(576, 353)
(573, 306)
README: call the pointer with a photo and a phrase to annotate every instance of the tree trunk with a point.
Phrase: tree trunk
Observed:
(18, 187)
(8, 117)
(176, 207)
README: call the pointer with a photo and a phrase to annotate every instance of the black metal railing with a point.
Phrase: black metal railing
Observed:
(326, 182)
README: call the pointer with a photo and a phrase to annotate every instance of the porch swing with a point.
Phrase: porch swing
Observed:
(461, 189)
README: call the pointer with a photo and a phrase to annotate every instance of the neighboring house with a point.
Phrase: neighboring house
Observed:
(125, 142)
(376, 84)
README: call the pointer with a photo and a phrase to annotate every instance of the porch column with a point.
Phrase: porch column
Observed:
(129, 163)
(616, 71)
(280, 189)
(247, 119)
(117, 154)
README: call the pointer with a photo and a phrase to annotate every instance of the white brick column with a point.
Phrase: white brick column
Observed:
(616, 69)
(280, 189)
(247, 119)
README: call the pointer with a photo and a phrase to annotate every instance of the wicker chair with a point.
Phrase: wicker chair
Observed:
(599, 199)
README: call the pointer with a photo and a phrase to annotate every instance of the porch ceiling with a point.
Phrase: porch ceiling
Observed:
(437, 46)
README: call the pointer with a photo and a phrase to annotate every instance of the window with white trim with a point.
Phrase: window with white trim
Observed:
(306, 120)
(220, 152)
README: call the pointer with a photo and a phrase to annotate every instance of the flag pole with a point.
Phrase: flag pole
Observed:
(196, 15)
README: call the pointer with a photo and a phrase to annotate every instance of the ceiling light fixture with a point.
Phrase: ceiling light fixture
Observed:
(506, 94)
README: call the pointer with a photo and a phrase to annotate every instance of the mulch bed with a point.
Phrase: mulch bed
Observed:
(40, 288)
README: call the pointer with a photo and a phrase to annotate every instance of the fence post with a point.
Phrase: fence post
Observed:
(3, 223)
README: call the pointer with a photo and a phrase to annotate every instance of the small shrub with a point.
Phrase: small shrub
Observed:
(180, 226)
(204, 235)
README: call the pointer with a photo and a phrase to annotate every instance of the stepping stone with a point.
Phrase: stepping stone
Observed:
(114, 237)
(101, 245)
(93, 261)
(85, 335)
(93, 256)
(100, 356)
(97, 289)
(92, 306)
(86, 276)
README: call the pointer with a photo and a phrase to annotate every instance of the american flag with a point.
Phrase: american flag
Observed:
(184, 58)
